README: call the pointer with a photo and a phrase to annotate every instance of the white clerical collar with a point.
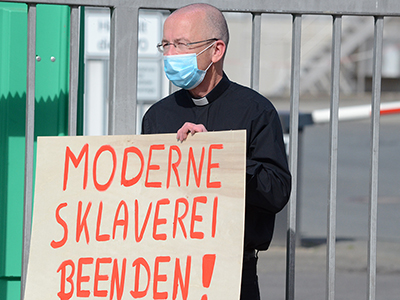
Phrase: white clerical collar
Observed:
(200, 102)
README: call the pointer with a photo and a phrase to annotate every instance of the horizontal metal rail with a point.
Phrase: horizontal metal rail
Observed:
(338, 7)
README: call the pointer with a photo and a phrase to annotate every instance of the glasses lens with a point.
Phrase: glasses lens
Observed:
(182, 47)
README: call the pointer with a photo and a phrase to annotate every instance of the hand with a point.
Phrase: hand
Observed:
(183, 132)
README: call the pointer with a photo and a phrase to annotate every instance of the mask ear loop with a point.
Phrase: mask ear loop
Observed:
(208, 47)
(208, 67)
(203, 51)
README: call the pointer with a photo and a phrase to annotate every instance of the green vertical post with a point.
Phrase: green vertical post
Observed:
(13, 44)
(51, 116)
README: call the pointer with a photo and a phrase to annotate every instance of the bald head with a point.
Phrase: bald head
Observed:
(203, 29)
(212, 21)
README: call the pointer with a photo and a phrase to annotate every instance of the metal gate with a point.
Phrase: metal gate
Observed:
(122, 95)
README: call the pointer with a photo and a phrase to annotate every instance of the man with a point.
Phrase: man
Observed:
(194, 44)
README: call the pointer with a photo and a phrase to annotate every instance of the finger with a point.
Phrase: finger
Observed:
(191, 128)
(199, 128)
(182, 134)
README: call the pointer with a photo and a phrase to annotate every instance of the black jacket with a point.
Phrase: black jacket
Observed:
(232, 107)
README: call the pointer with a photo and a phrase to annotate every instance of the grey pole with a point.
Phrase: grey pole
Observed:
(29, 142)
(373, 203)
(255, 52)
(73, 70)
(334, 124)
(293, 151)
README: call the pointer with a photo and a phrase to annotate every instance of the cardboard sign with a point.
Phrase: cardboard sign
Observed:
(138, 217)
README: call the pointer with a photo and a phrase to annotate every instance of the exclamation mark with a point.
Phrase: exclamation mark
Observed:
(208, 269)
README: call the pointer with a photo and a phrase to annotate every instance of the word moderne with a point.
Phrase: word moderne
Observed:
(174, 157)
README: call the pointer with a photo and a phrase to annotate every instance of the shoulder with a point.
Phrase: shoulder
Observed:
(164, 116)
(247, 98)
(170, 102)
(164, 102)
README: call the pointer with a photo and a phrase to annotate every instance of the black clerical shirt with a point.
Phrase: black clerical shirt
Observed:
(230, 106)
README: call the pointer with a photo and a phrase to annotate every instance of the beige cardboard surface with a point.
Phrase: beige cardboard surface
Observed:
(138, 217)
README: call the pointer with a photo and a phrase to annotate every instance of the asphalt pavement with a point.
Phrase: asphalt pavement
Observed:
(354, 155)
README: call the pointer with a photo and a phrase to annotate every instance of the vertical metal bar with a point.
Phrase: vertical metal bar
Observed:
(373, 203)
(361, 71)
(73, 69)
(255, 52)
(29, 142)
(123, 69)
(334, 121)
(172, 88)
(293, 151)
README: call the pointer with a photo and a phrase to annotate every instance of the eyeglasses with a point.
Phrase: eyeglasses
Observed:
(181, 47)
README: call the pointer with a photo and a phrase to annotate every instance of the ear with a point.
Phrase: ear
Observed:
(219, 51)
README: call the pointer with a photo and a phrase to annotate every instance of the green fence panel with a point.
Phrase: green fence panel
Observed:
(51, 116)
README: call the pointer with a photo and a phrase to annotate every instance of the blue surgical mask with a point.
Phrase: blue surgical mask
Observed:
(182, 70)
